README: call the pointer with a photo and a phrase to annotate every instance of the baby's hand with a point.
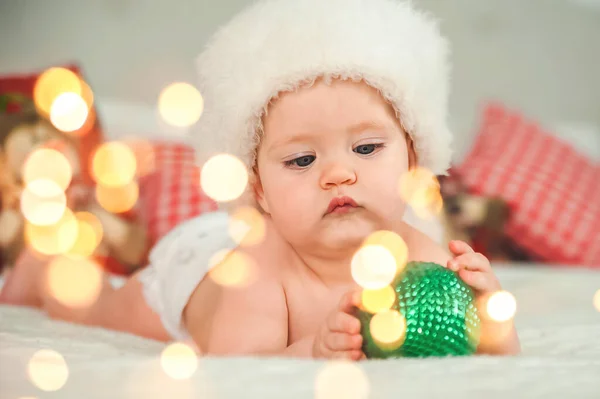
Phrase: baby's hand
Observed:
(340, 337)
(473, 268)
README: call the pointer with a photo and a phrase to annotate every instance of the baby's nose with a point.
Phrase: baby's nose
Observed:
(337, 173)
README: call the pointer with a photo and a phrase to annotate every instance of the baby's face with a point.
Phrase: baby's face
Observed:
(325, 142)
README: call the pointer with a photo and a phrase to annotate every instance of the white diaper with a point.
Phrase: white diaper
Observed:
(178, 262)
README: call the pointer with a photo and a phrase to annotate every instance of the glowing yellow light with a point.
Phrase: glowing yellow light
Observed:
(68, 112)
(375, 301)
(596, 300)
(179, 361)
(91, 220)
(53, 239)
(231, 268)
(247, 226)
(473, 326)
(393, 243)
(86, 241)
(117, 199)
(144, 155)
(501, 306)
(114, 165)
(421, 190)
(48, 370)
(75, 283)
(87, 94)
(428, 204)
(341, 379)
(180, 104)
(223, 177)
(43, 202)
(388, 329)
(373, 267)
(48, 164)
(51, 84)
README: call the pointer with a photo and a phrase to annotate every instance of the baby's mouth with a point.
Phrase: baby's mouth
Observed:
(341, 205)
(343, 209)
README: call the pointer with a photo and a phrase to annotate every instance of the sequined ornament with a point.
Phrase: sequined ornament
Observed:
(433, 314)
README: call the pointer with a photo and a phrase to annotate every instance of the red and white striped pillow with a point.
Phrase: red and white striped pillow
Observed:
(553, 191)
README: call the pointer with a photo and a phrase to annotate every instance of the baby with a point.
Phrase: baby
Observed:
(329, 104)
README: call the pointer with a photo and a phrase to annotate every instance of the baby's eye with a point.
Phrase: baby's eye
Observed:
(301, 162)
(366, 149)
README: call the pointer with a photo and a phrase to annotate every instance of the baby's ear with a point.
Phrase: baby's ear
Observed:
(259, 193)
(412, 154)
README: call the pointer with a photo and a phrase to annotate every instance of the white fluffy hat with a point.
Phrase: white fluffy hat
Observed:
(278, 45)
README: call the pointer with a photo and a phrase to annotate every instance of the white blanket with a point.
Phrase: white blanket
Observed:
(557, 322)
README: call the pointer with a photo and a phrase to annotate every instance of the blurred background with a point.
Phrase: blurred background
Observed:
(539, 56)
(527, 70)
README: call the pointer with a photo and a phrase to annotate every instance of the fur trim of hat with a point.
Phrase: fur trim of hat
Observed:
(276, 46)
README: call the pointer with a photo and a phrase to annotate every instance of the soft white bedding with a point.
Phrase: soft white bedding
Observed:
(558, 325)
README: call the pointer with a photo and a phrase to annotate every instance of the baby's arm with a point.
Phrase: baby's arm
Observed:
(250, 320)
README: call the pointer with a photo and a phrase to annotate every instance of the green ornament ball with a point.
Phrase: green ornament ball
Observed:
(433, 314)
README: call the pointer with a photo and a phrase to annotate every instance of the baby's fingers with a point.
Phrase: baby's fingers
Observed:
(337, 342)
(473, 261)
(343, 323)
(348, 355)
(479, 281)
(349, 301)
(458, 247)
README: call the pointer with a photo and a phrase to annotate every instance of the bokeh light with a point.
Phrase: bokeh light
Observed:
(473, 325)
(179, 361)
(421, 190)
(47, 164)
(92, 220)
(86, 242)
(48, 370)
(114, 164)
(75, 283)
(223, 178)
(43, 202)
(53, 239)
(87, 94)
(180, 104)
(247, 226)
(596, 300)
(341, 379)
(375, 301)
(388, 329)
(373, 267)
(231, 268)
(501, 306)
(69, 112)
(51, 84)
(393, 243)
(117, 199)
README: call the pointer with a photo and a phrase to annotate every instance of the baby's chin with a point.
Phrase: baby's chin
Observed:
(346, 233)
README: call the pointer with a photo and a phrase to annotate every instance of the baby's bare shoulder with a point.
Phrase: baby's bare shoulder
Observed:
(422, 248)
(253, 308)
(272, 252)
